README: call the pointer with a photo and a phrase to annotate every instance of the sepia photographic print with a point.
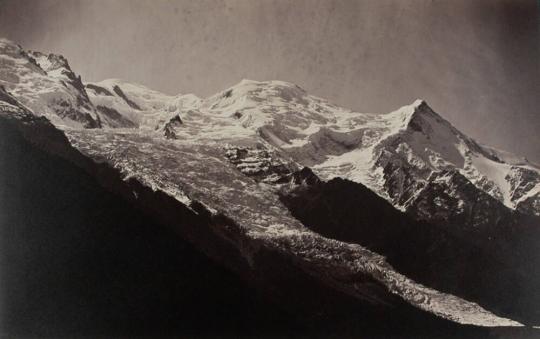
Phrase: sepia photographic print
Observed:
(269, 169)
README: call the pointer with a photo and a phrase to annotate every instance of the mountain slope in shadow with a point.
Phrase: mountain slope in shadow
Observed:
(79, 260)
(495, 268)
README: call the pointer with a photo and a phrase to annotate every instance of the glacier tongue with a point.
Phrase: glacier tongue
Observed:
(199, 171)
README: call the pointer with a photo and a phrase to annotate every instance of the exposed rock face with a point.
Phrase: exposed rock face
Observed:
(99, 90)
(113, 119)
(448, 198)
(305, 177)
(525, 187)
(121, 94)
(169, 128)
(261, 164)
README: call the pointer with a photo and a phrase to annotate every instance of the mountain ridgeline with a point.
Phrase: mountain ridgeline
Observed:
(272, 203)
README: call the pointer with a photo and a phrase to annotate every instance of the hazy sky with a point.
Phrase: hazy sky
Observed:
(475, 61)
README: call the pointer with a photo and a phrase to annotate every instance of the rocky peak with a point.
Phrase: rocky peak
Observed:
(46, 85)
(50, 62)
(171, 125)
(448, 198)
(421, 118)
(248, 92)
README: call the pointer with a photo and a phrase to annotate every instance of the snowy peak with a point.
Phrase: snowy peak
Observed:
(46, 85)
(427, 143)
(14, 60)
(51, 62)
(419, 121)
(422, 118)
(262, 103)
(259, 91)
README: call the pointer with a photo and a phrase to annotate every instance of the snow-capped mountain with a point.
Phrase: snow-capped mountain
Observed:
(393, 154)
(232, 158)
(46, 84)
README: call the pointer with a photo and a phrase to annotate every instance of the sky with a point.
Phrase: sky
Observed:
(476, 62)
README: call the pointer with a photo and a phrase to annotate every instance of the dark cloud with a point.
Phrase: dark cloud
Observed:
(476, 62)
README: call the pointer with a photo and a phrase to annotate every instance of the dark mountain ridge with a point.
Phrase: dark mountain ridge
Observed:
(495, 265)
